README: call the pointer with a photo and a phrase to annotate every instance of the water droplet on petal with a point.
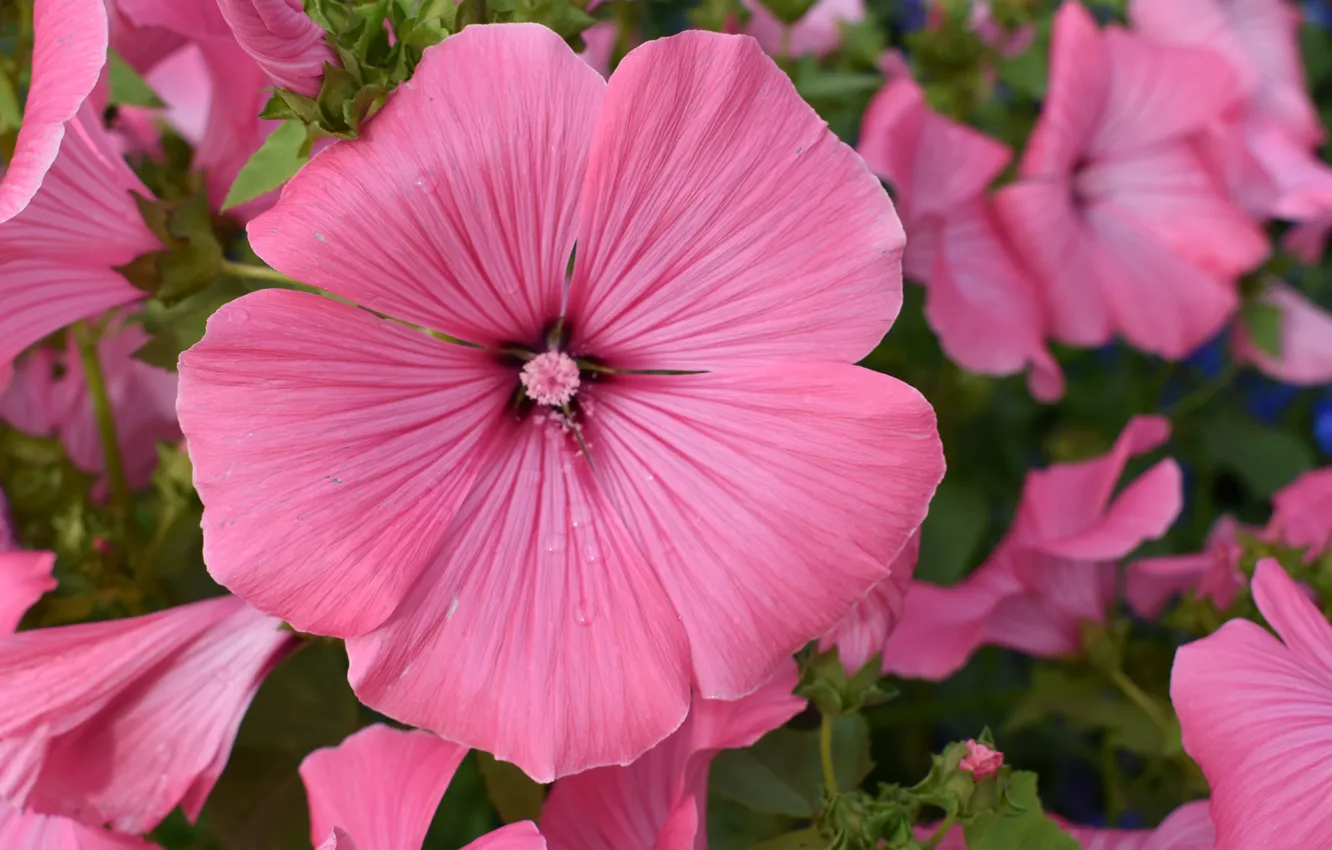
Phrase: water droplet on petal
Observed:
(555, 542)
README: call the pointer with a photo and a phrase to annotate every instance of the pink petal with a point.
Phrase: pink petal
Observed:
(1308, 240)
(1079, 92)
(768, 499)
(1299, 513)
(934, 164)
(1254, 715)
(817, 33)
(193, 19)
(141, 47)
(1187, 828)
(1170, 194)
(984, 305)
(1305, 355)
(455, 209)
(1152, 582)
(68, 51)
(654, 803)
(1144, 510)
(183, 81)
(1303, 181)
(590, 666)
(24, 577)
(1032, 626)
(1158, 93)
(332, 450)
(234, 130)
(723, 223)
(338, 839)
(864, 631)
(381, 786)
(138, 714)
(516, 836)
(1199, 23)
(600, 39)
(20, 830)
(282, 39)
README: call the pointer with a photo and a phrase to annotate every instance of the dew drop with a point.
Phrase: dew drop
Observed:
(238, 315)
(453, 606)
(555, 542)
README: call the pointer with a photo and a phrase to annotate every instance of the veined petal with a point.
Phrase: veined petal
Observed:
(68, 51)
(381, 786)
(338, 839)
(20, 830)
(1144, 510)
(768, 500)
(455, 208)
(722, 222)
(1299, 513)
(863, 632)
(24, 577)
(516, 836)
(282, 39)
(332, 450)
(540, 634)
(1187, 828)
(1079, 91)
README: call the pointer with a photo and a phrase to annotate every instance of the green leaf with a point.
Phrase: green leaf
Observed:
(1029, 71)
(464, 814)
(559, 15)
(1088, 703)
(1262, 321)
(11, 113)
(127, 87)
(805, 839)
(1025, 827)
(951, 532)
(782, 774)
(277, 161)
(1265, 458)
(515, 795)
(788, 11)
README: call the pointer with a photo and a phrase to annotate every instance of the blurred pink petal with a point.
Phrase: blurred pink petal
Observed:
(20, 830)
(68, 51)
(1300, 515)
(1305, 342)
(1308, 240)
(1254, 712)
(817, 33)
(143, 399)
(672, 532)
(338, 839)
(57, 255)
(1213, 574)
(1188, 827)
(118, 722)
(381, 786)
(659, 801)
(1115, 195)
(283, 40)
(24, 577)
(863, 632)
(516, 836)
(600, 39)
(141, 46)
(982, 303)
(1055, 568)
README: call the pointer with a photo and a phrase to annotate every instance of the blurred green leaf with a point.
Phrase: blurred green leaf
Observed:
(465, 813)
(127, 87)
(781, 774)
(805, 839)
(1262, 321)
(277, 161)
(951, 532)
(11, 113)
(1265, 458)
(515, 795)
(1024, 828)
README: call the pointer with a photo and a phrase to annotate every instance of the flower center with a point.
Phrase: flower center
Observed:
(550, 378)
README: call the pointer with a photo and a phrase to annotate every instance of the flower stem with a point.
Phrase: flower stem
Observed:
(940, 833)
(106, 420)
(826, 756)
(1139, 698)
(257, 273)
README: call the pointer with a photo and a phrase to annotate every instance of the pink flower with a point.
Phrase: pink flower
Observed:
(1117, 210)
(381, 786)
(981, 761)
(366, 480)
(1257, 718)
(24, 575)
(1187, 828)
(20, 830)
(50, 396)
(1053, 571)
(818, 32)
(659, 802)
(118, 722)
(1300, 514)
(1213, 574)
(1305, 354)
(282, 39)
(865, 630)
(984, 305)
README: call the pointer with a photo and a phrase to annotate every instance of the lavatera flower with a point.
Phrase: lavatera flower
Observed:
(649, 471)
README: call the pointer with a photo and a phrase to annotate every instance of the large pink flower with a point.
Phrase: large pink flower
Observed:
(378, 790)
(487, 535)
(49, 396)
(1300, 513)
(289, 46)
(1116, 209)
(1257, 718)
(1053, 571)
(1213, 574)
(660, 801)
(817, 33)
(118, 722)
(20, 830)
(1305, 345)
(983, 304)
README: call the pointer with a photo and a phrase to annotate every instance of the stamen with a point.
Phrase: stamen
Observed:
(550, 378)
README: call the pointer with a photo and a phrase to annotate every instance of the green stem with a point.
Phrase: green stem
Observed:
(826, 756)
(106, 420)
(1139, 698)
(257, 273)
(939, 834)
(1203, 394)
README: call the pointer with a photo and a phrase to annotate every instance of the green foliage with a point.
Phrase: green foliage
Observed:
(1022, 825)
(516, 797)
(127, 87)
(1264, 457)
(279, 158)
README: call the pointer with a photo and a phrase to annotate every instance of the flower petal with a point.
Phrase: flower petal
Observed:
(1187, 828)
(1152, 582)
(24, 577)
(331, 449)
(338, 839)
(768, 499)
(540, 633)
(282, 39)
(862, 633)
(1079, 90)
(455, 208)
(942, 626)
(1305, 355)
(1144, 510)
(1299, 513)
(68, 51)
(722, 221)
(1254, 716)
(381, 786)
(20, 830)
(516, 836)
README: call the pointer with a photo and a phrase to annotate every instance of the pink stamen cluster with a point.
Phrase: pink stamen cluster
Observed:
(981, 761)
(550, 378)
